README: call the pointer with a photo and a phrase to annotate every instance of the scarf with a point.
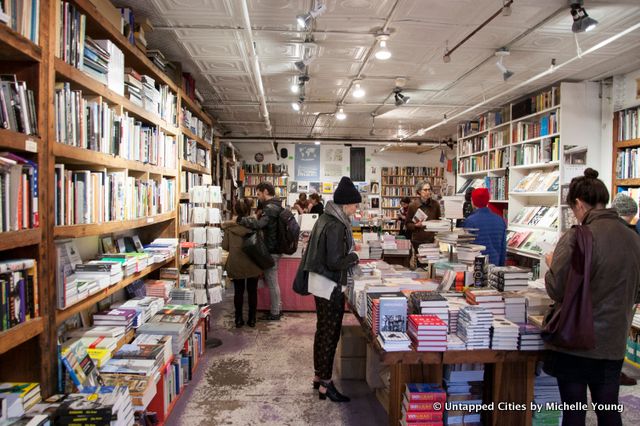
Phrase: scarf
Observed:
(336, 211)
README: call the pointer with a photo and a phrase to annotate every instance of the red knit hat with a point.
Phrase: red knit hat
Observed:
(480, 197)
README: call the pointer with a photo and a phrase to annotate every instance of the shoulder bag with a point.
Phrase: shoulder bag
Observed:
(569, 324)
(254, 246)
(301, 281)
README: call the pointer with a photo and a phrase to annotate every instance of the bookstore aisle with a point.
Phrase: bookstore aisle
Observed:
(262, 376)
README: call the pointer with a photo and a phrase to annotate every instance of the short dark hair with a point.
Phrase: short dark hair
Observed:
(266, 186)
(588, 188)
(315, 197)
(243, 207)
(406, 200)
(302, 196)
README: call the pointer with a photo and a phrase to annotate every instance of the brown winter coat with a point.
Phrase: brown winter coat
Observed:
(432, 210)
(615, 280)
(239, 265)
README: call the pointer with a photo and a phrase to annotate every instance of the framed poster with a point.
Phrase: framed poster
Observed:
(307, 162)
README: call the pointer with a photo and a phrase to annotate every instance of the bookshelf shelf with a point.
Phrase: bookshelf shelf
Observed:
(476, 173)
(15, 47)
(19, 334)
(537, 165)
(184, 261)
(499, 201)
(184, 228)
(473, 135)
(497, 148)
(188, 133)
(75, 155)
(534, 194)
(19, 141)
(99, 27)
(23, 238)
(539, 228)
(541, 112)
(474, 154)
(537, 139)
(191, 105)
(627, 182)
(525, 253)
(85, 230)
(184, 196)
(62, 315)
(631, 143)
(80, 80)
(188, 165)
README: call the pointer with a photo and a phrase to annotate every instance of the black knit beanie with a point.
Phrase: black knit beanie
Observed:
(346, 193)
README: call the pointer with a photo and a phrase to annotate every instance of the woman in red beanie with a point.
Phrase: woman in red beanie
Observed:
(491, 227)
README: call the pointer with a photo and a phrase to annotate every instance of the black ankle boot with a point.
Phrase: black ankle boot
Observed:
(332, 393)
(239, 322)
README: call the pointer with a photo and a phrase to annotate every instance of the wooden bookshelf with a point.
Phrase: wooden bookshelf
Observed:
(631, 143)
(15, 47)
(19, 334)
(184, 196)
(184, 228)
(617, 146)
(16, 141)
(188, 133)
(84, 230)
(64, 314)
(193, 167)
(195, 109)
(409, 189)
(23, 238)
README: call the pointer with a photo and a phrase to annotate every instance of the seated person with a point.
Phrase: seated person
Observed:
(315, 204)
(302, 204)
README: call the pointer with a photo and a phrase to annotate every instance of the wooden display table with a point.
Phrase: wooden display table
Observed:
(509, 377)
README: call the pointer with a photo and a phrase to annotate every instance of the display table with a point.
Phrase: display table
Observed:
(509, 377)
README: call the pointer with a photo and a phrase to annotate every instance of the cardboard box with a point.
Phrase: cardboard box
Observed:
(352, 342)
(351, 368)
(109, 12)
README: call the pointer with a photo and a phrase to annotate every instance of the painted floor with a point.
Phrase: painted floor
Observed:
(262, 376)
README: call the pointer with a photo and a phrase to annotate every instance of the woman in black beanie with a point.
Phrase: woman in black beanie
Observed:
(329, 259)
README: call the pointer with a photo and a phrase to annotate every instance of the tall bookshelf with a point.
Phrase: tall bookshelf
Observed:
(23, 345)
(552, 131)
(34, 342)
(626, 145)
(254, 174)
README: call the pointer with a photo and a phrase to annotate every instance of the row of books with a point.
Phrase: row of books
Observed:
(410, 180)
(538, 181)
(85, 196)
(17, 106)
(91, 123)
(543, 151)
(542, 126)
(22, 16)
(19, 301)
(263, 168)
(430, 172)
(252, 191)
(498, 159)
(628, 163)
(197, 126)
(536, 103)
(543, 216)
(192, 152)
(484, 122)
(190, 180)
(398, 191)
(499, 138)
(256, 179)
(473, 183)
(628, 124)
(18, 193)
(498, 187)
(477, 163)
(537, 242)
(473, 145)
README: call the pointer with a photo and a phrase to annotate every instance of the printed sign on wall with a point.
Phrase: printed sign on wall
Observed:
(307, 162)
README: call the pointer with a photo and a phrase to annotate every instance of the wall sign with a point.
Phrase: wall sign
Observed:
(307, 162)
(259, 157)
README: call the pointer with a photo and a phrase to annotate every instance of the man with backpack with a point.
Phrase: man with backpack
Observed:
(268, 222)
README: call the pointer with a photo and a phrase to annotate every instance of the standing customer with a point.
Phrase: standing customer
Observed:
(240, 268)
(491, 228)
(268, 223)
(615, 282)
(329, 260)
(402, 216)
(430, 207)
(315, 202)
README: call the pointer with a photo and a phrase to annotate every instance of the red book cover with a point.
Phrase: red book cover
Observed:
(427, 322)
(413, 416)
(425, 392)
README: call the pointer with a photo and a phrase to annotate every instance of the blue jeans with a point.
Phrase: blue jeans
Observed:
(271, 277)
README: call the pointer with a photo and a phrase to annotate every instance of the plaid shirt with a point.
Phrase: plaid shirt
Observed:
(491, 233)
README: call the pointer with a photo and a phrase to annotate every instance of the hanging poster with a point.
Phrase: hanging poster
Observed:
(307, 162)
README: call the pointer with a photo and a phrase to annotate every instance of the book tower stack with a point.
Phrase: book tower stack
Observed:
(463, 383)
(394, 341)
(530, 338)
(504, 335)
(423, 403)
(545, 391)
(515, 307)
(428, 333)
(473, 327)
(430, 303)
(489, 299)
(455, 303)
(509, 278)
(205, 272)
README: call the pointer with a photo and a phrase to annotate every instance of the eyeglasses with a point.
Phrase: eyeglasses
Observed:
(426, 189)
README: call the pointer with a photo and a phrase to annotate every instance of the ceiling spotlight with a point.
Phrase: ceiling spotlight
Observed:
(582, 22)
(383, 53)
(340, 115)
(400, 98)
(506, 7)
(506, 74)
(303, 64)
(295, 88)
(297, 106)
(316, 143)
(358, 92)
(305, 19)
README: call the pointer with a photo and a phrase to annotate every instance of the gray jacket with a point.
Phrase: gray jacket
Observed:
(615, 280)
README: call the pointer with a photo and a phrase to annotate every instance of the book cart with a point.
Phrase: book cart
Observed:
(509, 376)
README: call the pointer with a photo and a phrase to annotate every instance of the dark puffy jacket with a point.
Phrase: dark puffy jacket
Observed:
(327, 251)
(268, 223)
(239, 265)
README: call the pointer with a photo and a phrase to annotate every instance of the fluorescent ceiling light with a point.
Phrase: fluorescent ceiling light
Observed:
(358, 92)
(340, 115)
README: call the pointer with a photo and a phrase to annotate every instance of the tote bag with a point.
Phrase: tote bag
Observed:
(253, 246)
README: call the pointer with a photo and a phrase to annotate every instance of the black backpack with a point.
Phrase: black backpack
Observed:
(288, 232)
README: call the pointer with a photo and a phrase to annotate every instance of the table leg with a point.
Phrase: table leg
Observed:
(399, 376)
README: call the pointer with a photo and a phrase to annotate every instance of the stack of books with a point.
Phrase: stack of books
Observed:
(122, 317)
(80, 368)
(430, 303)
(515, 307)
(468, 252)
(18, 397)
(146, 306)
(104, 273)
(428, 333)
(182, 296)
(530, 338)
(177, 321)
(102, 404)
(437, 225)
(473, 327)
(504, 335)
(158, 58)
(454, 343)
(489, 299)
(509, 278)
(428, 252)
(455, 304)
(151, 95)
(95, 62)
(394, 341)
(17, 106)
(18, 292)
(418, 404)
(463, 384)
(133, 86)
(162, 249)
(392, 312)
(546, 391)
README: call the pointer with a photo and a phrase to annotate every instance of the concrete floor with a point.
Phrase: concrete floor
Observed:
(262, 376)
